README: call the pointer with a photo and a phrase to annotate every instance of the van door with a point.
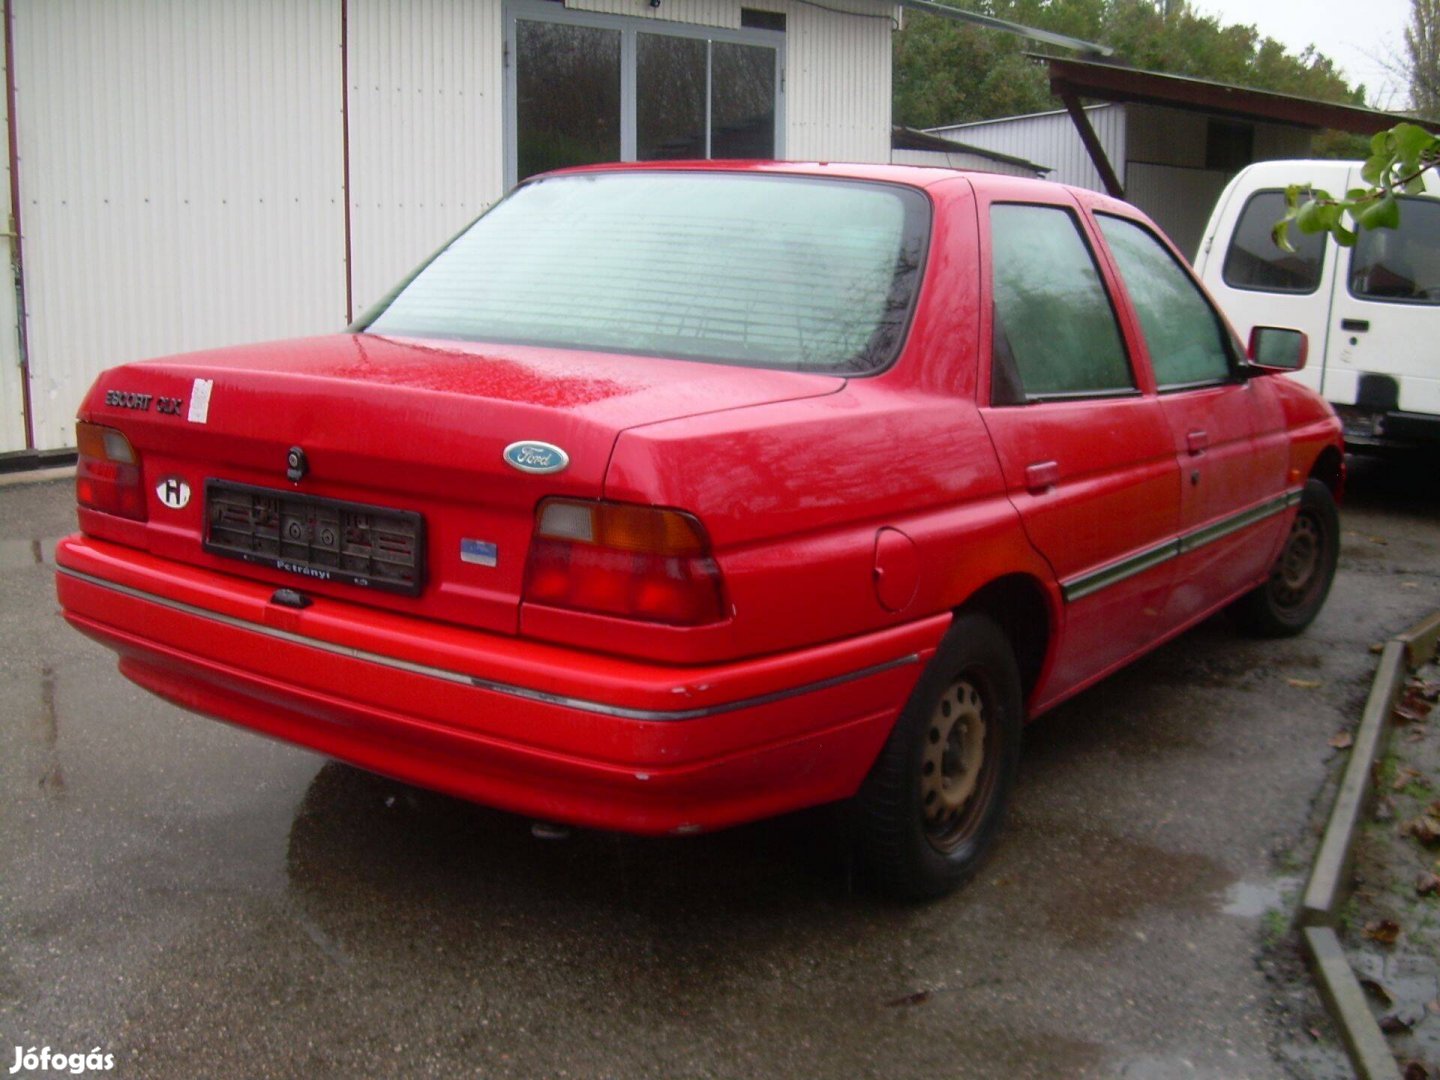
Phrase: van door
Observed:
(1384, 323)
(1259, 284)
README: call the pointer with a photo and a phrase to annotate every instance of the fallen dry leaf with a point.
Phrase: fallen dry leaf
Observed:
(1394, 1025)
(917, 998)
(1384, 809)
(1305, 684)
(1377, 647)
(1414, 1070)
(1381, 994)
(1404, 775)
(1429, 689)
(1427, 884)
(1425, 828)
(1343, 741)
(1385, 931)
(1413, 710)
(1378, 540)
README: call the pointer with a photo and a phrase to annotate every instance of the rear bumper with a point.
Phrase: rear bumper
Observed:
(551, 732)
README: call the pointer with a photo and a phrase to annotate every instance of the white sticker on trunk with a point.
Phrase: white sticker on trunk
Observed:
(173, 492)
(200, 400)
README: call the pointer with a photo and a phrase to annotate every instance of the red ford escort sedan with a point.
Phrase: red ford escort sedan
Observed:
(667, 498)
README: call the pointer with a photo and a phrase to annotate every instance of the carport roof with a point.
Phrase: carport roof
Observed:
(1113, 82)
(1072, 80)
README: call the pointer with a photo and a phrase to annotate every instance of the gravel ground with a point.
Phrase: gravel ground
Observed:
(1392, 923)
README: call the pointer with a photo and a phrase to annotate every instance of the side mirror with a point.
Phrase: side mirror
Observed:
(1274, 350)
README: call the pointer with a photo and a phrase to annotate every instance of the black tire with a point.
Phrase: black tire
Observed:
(928, 812)
(1300, 580)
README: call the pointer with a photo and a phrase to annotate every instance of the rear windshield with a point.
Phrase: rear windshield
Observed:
(770, 271)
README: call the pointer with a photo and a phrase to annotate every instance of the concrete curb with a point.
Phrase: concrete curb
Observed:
(1329, 877)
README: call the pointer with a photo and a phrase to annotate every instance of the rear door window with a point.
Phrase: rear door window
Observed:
(1400, 265)
(1254, 262)
(1055, 332)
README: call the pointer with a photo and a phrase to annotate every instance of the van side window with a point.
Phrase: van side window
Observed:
(1055, 331)
(1187, 340)
(1254, 262)
(1400, 265)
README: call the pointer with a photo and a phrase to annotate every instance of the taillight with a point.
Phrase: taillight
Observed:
(637, 562)
(107, 472)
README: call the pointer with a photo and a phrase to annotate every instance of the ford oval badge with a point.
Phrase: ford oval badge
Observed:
(536, 457)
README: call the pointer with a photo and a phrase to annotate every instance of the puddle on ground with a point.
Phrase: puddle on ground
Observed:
(1251, 899)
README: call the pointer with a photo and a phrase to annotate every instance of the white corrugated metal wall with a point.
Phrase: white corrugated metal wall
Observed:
(426, 138)
(12, 391)
(837, 88)
(1050, 139)
(181, 182)
(183, 163)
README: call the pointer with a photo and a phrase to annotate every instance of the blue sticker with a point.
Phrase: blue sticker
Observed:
(479, 552)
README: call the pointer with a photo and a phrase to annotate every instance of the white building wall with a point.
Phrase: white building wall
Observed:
(12, 395)
(1050, 139)
(183, 161)
(720, 13)
(426, 79)
(181, 182)
(837, 84)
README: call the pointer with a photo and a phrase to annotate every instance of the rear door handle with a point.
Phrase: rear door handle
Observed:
(1359, 326)
(1198, 441)
(1041, 476)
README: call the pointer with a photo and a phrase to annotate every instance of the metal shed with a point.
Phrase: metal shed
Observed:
(192, 173)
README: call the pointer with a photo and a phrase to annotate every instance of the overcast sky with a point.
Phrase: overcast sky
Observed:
(1361, 36)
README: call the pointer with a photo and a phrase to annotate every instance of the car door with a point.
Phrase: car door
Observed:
(1084, 445)
(1232, 479)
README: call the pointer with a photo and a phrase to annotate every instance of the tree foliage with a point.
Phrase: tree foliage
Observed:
(1398, 161)
(948, 72)
(1422, 47)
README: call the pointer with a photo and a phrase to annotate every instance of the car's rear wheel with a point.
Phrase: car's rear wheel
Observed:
(1300, 580)
(930, 809)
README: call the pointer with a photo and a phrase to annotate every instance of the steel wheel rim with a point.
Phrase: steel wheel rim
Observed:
(1298, 568)
(954, 777)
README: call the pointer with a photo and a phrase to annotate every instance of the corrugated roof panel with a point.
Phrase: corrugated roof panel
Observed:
(1050, 139)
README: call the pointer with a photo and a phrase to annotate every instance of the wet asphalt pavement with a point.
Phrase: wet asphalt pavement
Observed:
(199, 901)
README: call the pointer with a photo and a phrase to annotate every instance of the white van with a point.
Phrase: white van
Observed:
(1371, 312)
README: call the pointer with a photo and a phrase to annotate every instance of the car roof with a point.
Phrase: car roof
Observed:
(920, 176)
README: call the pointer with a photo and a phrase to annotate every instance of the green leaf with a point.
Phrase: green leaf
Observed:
(1411, 140)
(1344, 237)
(1376, 168)
(1280, 236)
(1384, 214)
